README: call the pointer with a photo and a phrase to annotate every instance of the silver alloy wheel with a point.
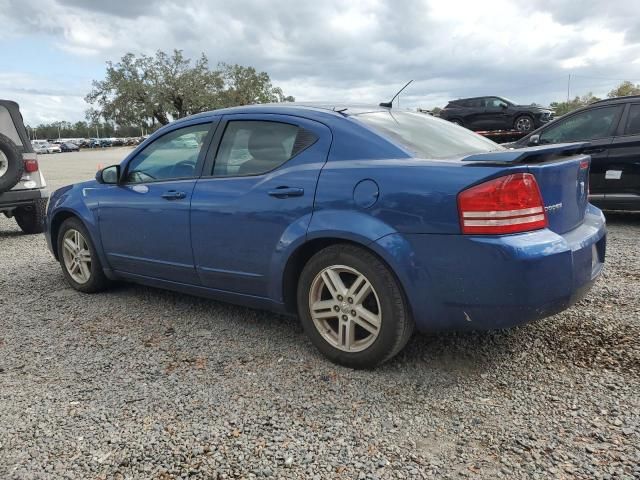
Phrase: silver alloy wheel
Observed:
(4, 164)
(345, 308)
(76, 256)
(524, 124)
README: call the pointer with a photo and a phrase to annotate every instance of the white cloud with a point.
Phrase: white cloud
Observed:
(363, 50)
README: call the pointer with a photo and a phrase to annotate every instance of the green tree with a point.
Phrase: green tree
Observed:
(144, 90)
(561, 108)
(625, 89)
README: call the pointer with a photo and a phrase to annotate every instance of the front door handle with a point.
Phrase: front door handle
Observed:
(286, 192)
(173, 195)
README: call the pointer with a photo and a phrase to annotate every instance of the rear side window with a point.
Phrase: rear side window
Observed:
(253, 147)
(633, 121)
(588, 125)
(427, 136)
(7, 127)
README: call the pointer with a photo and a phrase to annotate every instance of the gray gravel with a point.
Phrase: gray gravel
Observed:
(142, 383)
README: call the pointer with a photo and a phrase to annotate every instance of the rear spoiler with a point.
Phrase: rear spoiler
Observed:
(538, 154)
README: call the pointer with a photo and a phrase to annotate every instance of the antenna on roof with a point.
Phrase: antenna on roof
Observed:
(390, 104)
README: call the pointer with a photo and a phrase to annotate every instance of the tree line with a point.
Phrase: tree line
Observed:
(142, 93)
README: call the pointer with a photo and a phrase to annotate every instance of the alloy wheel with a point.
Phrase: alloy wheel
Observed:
(524, 124)
(76, 256)
(345, 308)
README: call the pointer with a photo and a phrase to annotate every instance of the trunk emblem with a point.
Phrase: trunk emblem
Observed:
(553, 208)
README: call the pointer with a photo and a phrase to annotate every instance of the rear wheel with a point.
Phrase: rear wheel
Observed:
(457, 122)
(352, 307)
(78, 258)
(31, 219)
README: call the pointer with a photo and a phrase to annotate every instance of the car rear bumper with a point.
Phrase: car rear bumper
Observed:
(16, 198)
(616, 201)
(483, 282)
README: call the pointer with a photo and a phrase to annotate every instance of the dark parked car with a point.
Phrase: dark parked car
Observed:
(612, 128)
(347, 216)
(69, 147)
(495, 113)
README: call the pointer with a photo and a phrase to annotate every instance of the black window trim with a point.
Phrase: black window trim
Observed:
(621, 131)
(612, 129)
(214, 123)
(207, 171)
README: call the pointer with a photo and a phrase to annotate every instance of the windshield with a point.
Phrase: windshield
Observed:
(427, 136)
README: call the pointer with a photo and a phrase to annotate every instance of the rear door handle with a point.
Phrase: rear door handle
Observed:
(173, 195)
(286, 192)
(594, 150)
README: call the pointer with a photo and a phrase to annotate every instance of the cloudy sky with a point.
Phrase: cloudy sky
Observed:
(357, 50)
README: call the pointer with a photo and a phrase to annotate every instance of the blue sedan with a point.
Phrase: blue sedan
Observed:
(365, 222)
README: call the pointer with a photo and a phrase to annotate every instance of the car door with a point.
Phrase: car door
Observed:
(622, 169)
(258, 194)
(474, 114)
(496, 114)
(144, 220)
(595, 125)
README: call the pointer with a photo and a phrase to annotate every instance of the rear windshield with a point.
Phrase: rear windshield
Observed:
(7, 127)
(427, 136)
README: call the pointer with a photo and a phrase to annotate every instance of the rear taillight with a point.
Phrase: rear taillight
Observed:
(30, 166)
(507, 204)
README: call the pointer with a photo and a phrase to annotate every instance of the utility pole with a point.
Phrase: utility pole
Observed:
(568, 87)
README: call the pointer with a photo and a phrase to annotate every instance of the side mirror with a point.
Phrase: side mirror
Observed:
(534, 140)
(108, 175)
(504, 106)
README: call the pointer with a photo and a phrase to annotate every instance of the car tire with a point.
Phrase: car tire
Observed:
(368, 294)
(523, 123)
(87, 277)
(31, 219)
(11, 164)
(456, 121)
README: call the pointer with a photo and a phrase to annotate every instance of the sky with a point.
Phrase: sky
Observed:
(359, 51)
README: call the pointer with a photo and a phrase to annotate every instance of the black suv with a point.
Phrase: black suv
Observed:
(495, 113)
(612, 128)
(23, 193)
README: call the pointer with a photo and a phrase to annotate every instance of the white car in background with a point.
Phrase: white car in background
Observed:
(54, 148)
(40, 148)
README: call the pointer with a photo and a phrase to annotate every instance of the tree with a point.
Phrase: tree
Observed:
(144, 90)
(625, 89)
(561, 108)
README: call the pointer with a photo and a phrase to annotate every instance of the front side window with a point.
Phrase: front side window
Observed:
(588, 125)
(253, 147)
(495, 103)
(171, 156)
(633, 121)
(427, 136)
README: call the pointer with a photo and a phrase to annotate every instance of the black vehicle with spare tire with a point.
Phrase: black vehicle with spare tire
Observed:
(23, 193)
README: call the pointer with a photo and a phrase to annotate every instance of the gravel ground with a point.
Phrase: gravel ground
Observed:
(142, 383)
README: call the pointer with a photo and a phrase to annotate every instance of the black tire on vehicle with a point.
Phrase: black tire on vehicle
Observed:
(31, 219)
(523, 123)
(385, 302)
(97, 281)
(457, 121)
(11, 164)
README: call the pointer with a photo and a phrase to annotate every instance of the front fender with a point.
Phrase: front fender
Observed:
(79, 201)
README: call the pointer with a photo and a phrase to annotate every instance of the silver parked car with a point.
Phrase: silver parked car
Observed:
(23, 193)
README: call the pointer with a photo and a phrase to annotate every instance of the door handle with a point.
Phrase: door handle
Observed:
(594, 150)
(173, 195)
(286, 192)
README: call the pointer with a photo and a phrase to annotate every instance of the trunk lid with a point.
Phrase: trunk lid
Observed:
(562, 173)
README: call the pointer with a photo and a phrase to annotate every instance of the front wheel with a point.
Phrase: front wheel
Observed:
(78, 258)
(352, 307)
(523, 123)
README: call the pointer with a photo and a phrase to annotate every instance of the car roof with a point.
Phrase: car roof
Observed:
(616, 100)
(311, 110)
